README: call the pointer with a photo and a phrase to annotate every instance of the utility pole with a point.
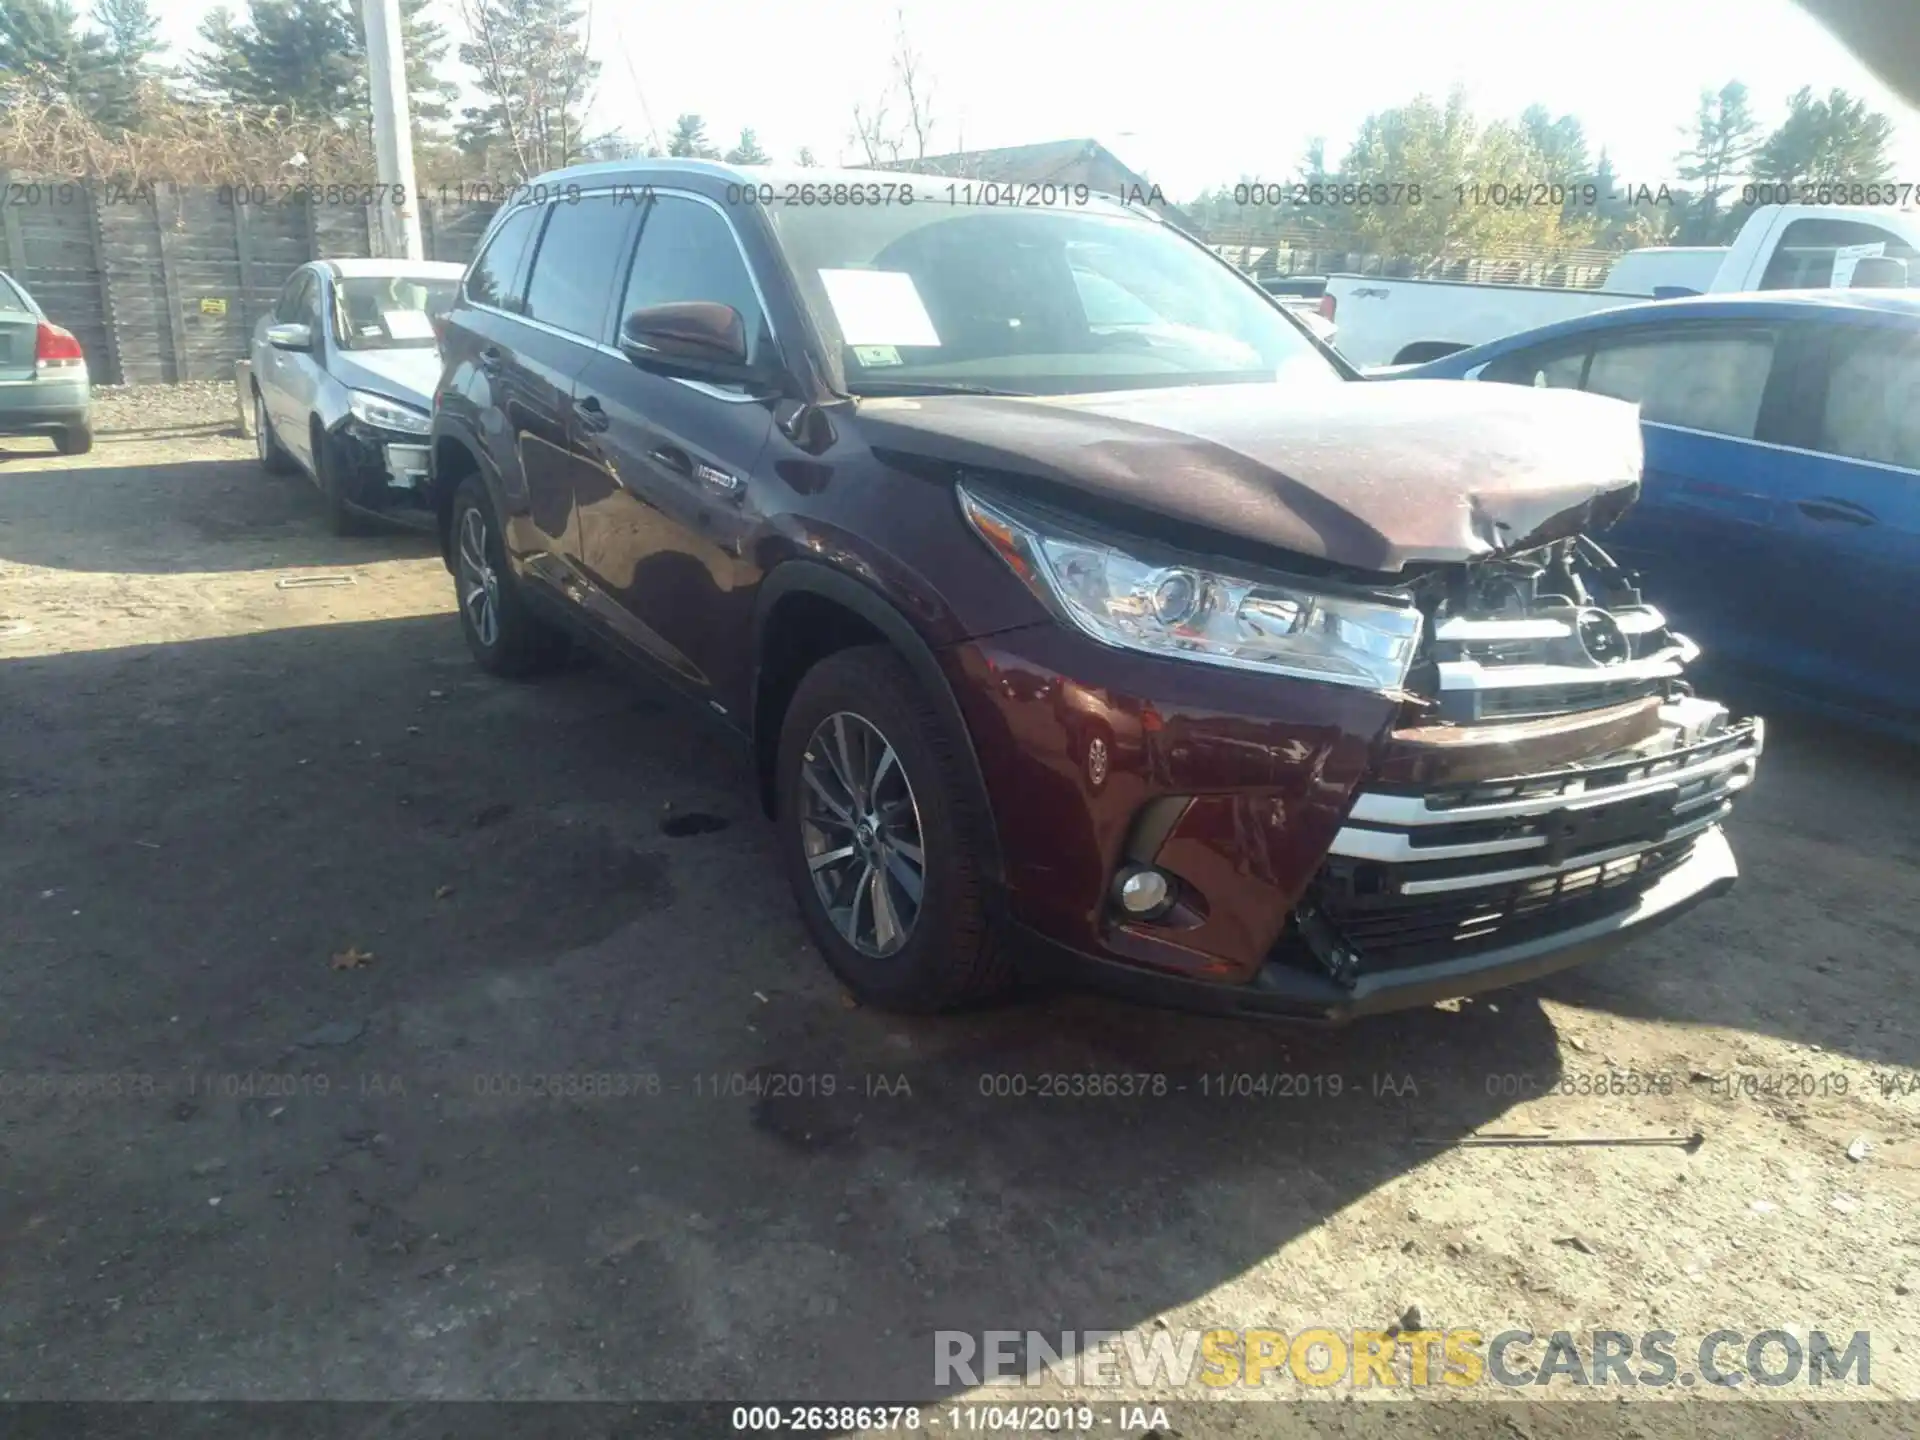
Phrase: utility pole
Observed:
(392, 130)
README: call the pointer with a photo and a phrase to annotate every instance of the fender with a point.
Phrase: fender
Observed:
(836, 585)
(446, 427)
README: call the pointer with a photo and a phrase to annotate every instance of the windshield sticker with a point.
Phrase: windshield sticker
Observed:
(1848, 257)
(875, 356)
(878, 307)
(407, 324)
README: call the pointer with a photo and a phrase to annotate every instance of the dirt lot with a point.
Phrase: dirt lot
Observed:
(237, 1162)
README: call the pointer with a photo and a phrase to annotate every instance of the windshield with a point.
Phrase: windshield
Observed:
(1030, 300)
(390, 312)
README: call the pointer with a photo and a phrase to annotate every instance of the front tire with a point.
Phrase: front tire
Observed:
(329, 472)
(882, 836)
(274, 458)
(504, 635)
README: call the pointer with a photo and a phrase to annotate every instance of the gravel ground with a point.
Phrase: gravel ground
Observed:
(133, 409)
(335, 1176)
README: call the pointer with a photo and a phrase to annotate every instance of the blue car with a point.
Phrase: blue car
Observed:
(1779, 518)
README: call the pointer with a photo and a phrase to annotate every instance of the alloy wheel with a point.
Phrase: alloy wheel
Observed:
(860, 827)
(479, 586)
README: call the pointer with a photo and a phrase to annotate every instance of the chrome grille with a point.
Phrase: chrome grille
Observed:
(1419, 875)
(1521, 668)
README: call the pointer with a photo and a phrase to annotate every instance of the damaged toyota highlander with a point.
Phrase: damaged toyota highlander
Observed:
(1081, 611)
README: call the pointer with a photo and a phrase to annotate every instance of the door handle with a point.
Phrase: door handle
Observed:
(492, 358)
(1843, 511)
(591, 414)
(673, 458)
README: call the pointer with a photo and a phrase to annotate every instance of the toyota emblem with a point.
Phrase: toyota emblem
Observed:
(1602, 638)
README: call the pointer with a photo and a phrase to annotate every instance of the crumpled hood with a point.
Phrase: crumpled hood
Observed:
(409, 373)
(1369, 475)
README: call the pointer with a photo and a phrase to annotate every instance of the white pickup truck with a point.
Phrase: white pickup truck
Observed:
(1781, 247)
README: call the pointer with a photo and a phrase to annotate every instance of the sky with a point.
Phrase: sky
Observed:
(1196, 93)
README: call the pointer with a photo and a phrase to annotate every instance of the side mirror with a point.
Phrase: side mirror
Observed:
(292, 336)
(695, 339)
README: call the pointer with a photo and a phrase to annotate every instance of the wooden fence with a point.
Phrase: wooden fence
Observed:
(164, 283)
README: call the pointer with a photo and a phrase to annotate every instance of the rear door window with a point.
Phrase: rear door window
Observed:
(494, 275)
(687, 251)
(1872, 406)
(1700, 378)
(572, 283)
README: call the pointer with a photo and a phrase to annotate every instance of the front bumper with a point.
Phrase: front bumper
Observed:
(1331, 865)
(1282, 990)
(386, 470)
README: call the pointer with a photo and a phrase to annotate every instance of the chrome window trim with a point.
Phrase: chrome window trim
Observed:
(731, 397)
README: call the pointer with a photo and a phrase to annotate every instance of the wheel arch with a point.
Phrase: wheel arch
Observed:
(807, 611)
(451, 460)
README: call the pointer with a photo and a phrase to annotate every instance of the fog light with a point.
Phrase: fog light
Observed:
(1145, 893)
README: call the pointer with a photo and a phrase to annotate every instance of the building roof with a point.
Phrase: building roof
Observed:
(1050, 160)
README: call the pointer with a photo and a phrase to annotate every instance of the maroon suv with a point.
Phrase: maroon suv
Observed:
(1078, 606)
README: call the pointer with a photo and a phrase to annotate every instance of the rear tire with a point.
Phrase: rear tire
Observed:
(74, 439)
(274, 458)
(860, 713)
(505, 636)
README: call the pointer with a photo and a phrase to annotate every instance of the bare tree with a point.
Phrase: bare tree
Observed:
(881, 139)
(915, 84)
(880, 144)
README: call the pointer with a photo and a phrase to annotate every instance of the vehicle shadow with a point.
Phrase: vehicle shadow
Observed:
(1830, 823)
(504, 1090)
(188, 516)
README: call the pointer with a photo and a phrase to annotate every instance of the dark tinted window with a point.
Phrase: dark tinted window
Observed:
(490, 282)
(1552, 368)
(687, 252)
(1704, 379)
(573, 269)
(1805, 256)
(1872, 409)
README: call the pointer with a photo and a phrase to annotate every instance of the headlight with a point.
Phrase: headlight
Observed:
(1199, 614)
(385, 414)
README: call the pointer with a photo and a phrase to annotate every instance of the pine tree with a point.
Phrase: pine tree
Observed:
(1719, 144)
(1835, 139)
(749, 151)
(532, 66)
(429, 96)
(42, 46)
(130, 39)
(291, 57)
(689, 140)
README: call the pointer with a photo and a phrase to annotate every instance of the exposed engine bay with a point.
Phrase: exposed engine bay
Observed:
(1542, 632)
